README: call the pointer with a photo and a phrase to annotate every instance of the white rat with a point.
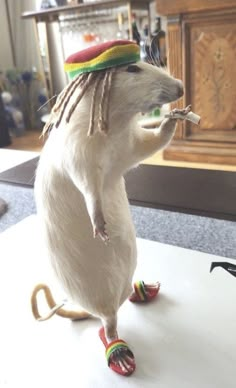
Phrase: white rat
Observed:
(80, 191)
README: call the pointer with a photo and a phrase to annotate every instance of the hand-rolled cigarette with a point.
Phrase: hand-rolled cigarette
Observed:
(193, 117)
(184, 114)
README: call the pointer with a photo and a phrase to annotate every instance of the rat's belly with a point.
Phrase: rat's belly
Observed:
(81, 262)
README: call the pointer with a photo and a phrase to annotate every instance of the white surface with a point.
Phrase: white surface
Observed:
(11, 158)
(184, 339)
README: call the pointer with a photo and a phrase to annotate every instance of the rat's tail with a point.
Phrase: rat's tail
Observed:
(54, 307)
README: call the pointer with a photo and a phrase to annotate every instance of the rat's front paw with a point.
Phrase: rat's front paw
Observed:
(179, 113)
(99, 227)
(102, 234)
(184, 114)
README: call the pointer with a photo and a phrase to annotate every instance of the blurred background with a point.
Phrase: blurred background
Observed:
(194, 40)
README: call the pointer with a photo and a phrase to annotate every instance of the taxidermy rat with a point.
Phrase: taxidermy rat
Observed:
(80, 190)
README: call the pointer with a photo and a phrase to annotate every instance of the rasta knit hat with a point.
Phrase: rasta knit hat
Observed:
(83, 67)
(102, 56)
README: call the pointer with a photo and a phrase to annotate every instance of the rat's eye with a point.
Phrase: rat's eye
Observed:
(133, 69)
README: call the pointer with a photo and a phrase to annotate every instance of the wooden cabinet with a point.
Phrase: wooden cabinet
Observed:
(202, 52)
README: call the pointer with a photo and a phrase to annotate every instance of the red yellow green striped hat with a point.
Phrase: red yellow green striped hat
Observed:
(102, 56)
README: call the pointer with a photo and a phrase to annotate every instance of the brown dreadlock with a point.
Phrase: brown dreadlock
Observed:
(83, 82)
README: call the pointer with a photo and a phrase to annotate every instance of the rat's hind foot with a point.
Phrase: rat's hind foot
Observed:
(144, 292)
(119, 357)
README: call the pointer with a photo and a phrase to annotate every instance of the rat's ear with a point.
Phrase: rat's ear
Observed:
(133, 69)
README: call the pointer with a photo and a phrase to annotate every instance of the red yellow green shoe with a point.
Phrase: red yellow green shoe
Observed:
(119, 356)
(144, 292)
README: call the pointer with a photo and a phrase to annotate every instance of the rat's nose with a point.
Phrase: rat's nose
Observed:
(180, 89)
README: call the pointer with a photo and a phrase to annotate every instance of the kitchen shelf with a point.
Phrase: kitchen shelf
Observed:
(54, 56)
(52, 13)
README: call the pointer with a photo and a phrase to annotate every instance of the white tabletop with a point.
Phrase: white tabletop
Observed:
(11, 158)
(184, 339)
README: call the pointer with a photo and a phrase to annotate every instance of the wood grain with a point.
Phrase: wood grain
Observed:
(201, 153)
(208, 42)
(170, 7)
(30, 141)
(212, 83)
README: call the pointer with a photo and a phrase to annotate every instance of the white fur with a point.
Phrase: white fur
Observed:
(80, 182)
